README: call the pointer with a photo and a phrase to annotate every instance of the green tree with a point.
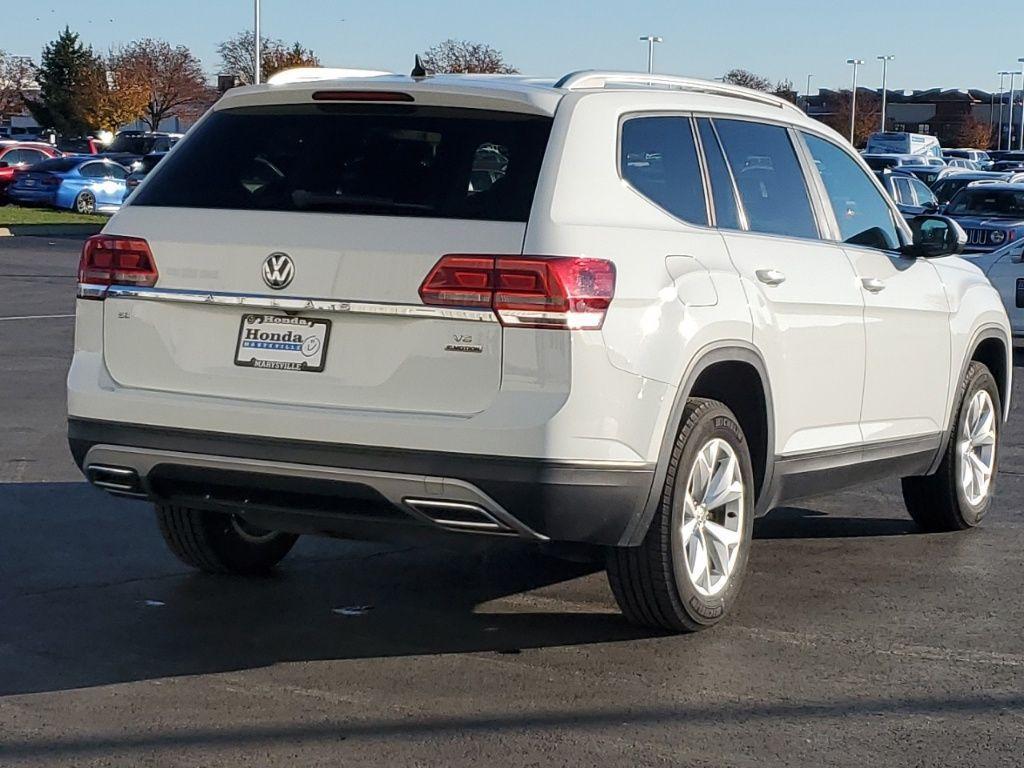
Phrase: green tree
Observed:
(65, 74)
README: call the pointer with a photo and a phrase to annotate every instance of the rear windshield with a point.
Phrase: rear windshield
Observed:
(390, 160)
(1002, 203)
(132, 144)
(881, 163)
(58, 165)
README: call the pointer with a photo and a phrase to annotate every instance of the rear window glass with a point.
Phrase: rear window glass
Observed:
(659, 160)
(393, 160)
(57, 165)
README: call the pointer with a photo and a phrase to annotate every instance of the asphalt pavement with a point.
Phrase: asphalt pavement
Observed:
(859, 641)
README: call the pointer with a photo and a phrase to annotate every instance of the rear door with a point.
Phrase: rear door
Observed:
(332, 215)
(806, 305)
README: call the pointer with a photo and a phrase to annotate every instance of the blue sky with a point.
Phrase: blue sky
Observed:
(781, 39)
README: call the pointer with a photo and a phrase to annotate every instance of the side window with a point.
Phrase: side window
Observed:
(659, 160)
(115, 171)
(726, 214)
(904, 192)
(93, 170)
(925, 196)
(14, 157)
(769, 178)
(32, 156)
(862, 212)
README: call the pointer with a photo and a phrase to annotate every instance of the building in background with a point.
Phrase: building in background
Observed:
(943, 113)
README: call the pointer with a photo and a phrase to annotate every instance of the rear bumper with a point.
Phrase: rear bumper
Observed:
(321, 486)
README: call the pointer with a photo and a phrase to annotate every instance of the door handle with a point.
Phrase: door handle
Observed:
(872, 284)
(770, 276)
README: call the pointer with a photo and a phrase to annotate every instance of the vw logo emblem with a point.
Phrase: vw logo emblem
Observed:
(278, 270)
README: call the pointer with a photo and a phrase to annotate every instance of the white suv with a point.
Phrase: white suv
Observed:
(616, 310)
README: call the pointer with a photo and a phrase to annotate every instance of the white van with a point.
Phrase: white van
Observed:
(893, 143)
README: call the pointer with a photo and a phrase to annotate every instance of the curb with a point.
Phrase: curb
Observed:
(50, 230)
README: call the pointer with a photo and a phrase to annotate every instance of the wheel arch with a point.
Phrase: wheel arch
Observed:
(991, 346)
(723, 371)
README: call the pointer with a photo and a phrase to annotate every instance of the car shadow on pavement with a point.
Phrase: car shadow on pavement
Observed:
(89, 596)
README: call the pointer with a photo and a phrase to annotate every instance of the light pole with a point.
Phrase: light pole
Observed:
(807, 95)
(853, 96)
(651, 40)
(1009, 119)
(885, 71)
(256, 38)
(1021, 61)
(1002, 97)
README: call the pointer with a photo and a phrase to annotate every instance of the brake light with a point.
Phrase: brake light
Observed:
(116, 260)
(526, 291)
(385, 96)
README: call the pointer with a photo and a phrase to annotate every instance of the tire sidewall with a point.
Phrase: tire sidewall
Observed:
(718, 423)
(982, 379)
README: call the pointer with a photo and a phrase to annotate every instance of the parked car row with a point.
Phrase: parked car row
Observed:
(75, 176)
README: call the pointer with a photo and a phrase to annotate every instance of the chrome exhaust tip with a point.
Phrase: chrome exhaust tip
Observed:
(123, 481)
(458, 515)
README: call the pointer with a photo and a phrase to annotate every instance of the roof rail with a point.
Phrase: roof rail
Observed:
(312, 74)
(577, 81)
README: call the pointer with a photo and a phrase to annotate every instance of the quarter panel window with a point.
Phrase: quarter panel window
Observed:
(769, 178)
(863, 215)
(726, 214)
(659, 160)
(904, 192)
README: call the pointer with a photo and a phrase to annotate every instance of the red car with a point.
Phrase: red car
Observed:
(16, 156)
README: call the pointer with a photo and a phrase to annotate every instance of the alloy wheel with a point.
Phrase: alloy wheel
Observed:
(709, 528)
(977, 454)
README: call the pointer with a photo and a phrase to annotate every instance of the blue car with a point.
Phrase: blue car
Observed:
(83, 184)
(991, 213)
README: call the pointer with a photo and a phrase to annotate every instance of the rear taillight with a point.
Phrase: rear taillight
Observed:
(525, 291)
(115, 260)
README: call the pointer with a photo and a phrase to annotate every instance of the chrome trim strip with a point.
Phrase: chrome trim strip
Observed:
(291, 304)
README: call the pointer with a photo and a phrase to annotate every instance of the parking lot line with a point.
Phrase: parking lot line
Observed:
(35, 317)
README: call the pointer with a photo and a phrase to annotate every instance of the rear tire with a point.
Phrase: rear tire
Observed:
(666, 582)
(217, 542)
(85, 203)
(958, 495)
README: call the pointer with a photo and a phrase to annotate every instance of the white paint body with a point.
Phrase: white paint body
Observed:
(846, 366)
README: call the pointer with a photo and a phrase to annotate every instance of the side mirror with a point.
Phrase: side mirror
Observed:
(935, 236)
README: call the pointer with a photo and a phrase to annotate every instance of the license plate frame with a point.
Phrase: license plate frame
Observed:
(278, 349)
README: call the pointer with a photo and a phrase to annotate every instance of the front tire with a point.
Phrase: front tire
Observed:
(217, 542)
(958, 495)
(85, 203)
(689, 569)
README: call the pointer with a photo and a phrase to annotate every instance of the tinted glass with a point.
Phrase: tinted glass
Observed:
(57, 165)
(393, 160)
(769, 178)
(945, 189)
(94, 170)
(659, 159)
(924, 194)
(721, 181)
(13, 157)
(133, 144)
(861, 210)
(904, 192)
(881, 163)
(116, 171)
(1002, 203)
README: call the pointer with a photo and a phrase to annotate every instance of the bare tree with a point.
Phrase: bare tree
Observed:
(973, 133)
(171, 77)
(16, 74)
(238, 57)
(869, 112)
(464, 56)
(280, 58)
(747, 79)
